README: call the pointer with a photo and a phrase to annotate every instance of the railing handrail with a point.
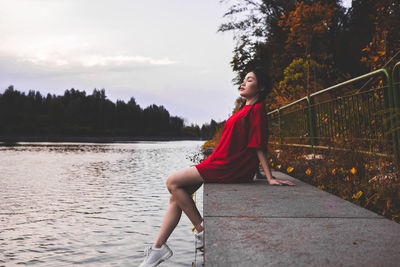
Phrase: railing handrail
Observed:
(385, 72)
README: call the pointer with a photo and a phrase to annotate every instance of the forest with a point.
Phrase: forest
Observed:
(310, 45)
(78, 114)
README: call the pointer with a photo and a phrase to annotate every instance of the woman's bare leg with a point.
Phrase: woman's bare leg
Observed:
(182, 183)
(170, 221)
(176, 183)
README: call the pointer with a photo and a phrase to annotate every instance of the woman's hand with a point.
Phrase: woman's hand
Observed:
(263, 161)
(279, 182)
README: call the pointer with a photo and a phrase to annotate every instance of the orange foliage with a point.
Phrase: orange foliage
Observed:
(306, 21)
(385, 39)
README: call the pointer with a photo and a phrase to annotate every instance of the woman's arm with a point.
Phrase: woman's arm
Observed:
(263, 160)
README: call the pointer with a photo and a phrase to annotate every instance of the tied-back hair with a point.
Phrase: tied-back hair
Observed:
(263, 80)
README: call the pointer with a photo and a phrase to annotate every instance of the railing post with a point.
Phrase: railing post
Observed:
(311, 122)
(279, 129)
(391, 121)
(396, 110)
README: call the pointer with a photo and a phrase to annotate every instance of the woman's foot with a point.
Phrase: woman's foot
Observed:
(154, 256)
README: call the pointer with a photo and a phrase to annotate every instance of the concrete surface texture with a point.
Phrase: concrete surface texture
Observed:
(256, 224)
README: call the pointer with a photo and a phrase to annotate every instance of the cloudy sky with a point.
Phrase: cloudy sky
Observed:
(159, 52)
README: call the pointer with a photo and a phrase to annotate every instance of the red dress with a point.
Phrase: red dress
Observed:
(234, 159)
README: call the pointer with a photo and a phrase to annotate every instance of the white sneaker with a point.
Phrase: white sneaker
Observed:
(199, 239)
(155, 256)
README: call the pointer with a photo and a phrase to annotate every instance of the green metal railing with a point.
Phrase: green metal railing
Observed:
(396, 109)
(340, 116)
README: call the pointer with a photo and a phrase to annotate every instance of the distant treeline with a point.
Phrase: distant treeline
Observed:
(78, 114)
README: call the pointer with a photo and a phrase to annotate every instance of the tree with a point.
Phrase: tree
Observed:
(385, 34)
(294, 84)
(306, 23)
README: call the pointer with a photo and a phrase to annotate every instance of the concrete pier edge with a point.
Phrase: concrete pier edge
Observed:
(256, 224)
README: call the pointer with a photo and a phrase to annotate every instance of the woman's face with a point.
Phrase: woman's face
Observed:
(249, 87)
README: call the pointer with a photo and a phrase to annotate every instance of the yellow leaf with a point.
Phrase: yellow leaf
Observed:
(278, 166)
(353, 170)
(357, 195)
(290, 169)
(333, 171)
(381, 53)
(308, 171)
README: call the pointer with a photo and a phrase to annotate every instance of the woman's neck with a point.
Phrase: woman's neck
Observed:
(252, 100)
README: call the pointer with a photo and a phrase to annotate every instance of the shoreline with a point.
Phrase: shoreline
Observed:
(93, 139)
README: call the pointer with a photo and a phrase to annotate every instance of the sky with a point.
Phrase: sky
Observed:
(160, 52)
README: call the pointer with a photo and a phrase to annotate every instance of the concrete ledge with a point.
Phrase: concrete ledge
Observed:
(256, 224)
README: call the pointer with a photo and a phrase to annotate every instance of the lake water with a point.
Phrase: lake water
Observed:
(91, 204)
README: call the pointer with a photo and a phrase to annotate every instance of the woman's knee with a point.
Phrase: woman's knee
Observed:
(183, 178)
(170, 182)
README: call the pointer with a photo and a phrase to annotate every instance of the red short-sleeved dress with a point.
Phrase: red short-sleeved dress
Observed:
(234, 159)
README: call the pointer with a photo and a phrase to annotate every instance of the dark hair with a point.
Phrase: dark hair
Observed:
(263, 80)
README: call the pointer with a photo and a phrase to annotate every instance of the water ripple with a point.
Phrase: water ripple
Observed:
(89, 204)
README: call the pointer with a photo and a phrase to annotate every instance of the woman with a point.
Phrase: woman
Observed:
(236, 158)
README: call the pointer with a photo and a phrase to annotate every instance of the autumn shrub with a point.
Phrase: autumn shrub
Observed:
(365, 179)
